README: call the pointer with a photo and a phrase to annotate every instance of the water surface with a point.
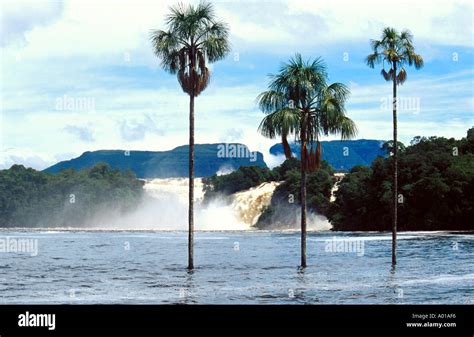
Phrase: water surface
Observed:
(246, 267)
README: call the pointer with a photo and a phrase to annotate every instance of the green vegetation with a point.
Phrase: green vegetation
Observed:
(436, 179)
(29, 198)
(242, 179)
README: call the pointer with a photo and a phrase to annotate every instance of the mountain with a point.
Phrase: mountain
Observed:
(343, 155)
(209, 159)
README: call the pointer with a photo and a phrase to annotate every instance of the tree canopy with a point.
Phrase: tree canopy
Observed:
(436, 178)
(29, 198)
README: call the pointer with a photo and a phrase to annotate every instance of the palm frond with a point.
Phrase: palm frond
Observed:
(372, 59)
(337, 90)
(271, 100)
(214, 40)
(280, 122)
(401, 76)
(387, 75)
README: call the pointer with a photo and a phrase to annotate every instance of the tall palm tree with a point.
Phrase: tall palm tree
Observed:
(300, 102)
(194, 38)
(395, 50)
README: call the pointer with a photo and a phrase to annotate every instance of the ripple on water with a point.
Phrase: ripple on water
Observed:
(264, 270)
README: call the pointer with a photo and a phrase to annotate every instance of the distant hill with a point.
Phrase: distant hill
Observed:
(209, 159)
(343, 155)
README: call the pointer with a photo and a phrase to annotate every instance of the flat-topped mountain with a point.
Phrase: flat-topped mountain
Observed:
(343, 155)
(209, 159)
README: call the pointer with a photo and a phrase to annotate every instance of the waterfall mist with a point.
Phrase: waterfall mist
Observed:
(165, 207)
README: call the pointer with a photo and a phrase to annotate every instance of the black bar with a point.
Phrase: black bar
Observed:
(85, 319)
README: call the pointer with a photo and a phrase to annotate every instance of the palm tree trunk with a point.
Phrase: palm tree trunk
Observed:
(303, 192)
(395, 170)
(303, 216)
(191, 185)
(286, 146)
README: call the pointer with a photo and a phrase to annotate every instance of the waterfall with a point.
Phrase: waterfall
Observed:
(165, 207)
(248, 205)
(338, 177)
(168, 206)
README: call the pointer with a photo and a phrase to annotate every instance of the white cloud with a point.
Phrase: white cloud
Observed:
(25, 157)
(132, 130)
(94, 28)
(83, 133)
(407, 130)
(107, 29)
(274, 26)
(19, 17)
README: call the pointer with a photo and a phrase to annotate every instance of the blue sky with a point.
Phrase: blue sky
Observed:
(96, 57)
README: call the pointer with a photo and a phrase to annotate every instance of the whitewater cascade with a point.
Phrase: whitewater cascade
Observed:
(339, 177)
(169, 204)
(166, 208)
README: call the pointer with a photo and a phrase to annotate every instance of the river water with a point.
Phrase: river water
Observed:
(235, 267)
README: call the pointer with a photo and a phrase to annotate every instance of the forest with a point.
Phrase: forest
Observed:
(69, 198)
(436, 189)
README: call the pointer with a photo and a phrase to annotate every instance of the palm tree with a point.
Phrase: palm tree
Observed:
(193, 39)
(300, 102)
(396, 50)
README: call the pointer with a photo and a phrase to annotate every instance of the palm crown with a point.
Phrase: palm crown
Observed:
(194, 38)
(300, 102)
(397, 50)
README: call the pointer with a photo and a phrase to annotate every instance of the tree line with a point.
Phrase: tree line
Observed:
(436, 184)
(69, 198)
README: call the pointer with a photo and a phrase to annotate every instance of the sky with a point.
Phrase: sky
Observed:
(81, 75)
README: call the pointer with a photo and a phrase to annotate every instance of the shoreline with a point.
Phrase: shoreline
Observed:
(148, 230)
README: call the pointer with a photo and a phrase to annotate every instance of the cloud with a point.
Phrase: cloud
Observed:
(132, 130)
(408, 130)
(107, 30)
(84, 133)
(277, 27)
(102, 30)
(26, 158)
(19, 17)
(232, 135)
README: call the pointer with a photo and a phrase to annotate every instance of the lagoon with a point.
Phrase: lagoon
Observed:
(237, 267)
